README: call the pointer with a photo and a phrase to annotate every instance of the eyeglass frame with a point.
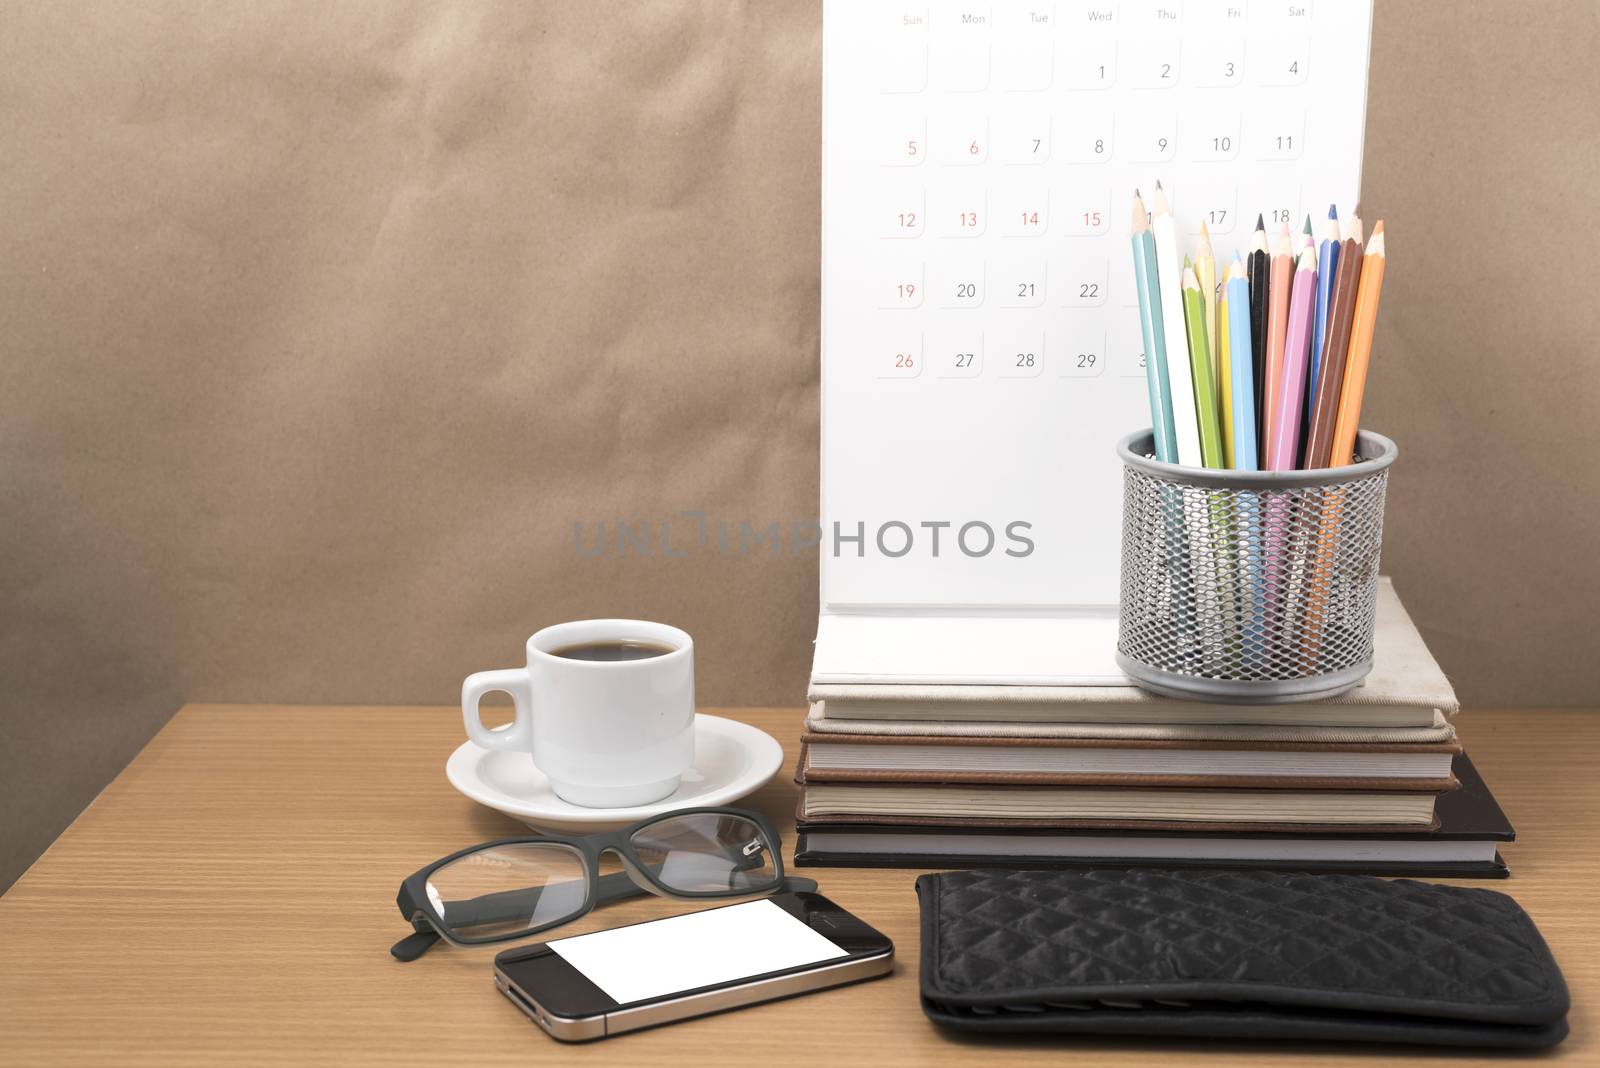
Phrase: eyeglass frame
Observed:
(415, 905)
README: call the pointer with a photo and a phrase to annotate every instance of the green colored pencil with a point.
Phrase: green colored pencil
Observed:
(1205, 387)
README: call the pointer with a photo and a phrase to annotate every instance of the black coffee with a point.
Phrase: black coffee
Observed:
(611, 651)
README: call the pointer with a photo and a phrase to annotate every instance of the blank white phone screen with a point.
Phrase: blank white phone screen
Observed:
(699, 949)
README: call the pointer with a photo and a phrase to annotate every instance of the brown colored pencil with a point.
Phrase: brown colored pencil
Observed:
(1335, 349)
(1355, 367)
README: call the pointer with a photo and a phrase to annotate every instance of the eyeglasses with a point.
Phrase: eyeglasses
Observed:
(516, 887)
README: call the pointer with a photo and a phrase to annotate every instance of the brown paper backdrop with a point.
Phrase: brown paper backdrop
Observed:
(324, 324)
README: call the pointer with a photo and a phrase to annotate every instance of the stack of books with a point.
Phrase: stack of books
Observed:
(960, 776)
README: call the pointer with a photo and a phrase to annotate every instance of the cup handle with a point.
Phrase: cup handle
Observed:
(518, 734)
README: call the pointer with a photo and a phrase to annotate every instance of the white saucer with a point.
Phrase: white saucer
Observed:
(731, 760)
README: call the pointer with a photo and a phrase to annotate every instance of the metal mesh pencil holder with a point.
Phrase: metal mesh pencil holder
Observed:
(1250, 586)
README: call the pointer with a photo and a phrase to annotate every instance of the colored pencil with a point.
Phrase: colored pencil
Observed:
(1151, 329)
(1335, 349)
(1257, 266)
(1327, 264)
(1282, 449)
(1241, 366)
(1277, 323)
(1205, 392)
(1205, 269)
(1306, 240)
(1224, 375)
(1355, 371)
(1180, 379)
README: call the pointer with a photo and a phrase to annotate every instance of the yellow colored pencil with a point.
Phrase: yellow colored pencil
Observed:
(1205, 271)
(1224, 377)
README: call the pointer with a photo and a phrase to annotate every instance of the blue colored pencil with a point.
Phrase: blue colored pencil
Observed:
(1153, 330)
(1327, 263)
(1241, 366)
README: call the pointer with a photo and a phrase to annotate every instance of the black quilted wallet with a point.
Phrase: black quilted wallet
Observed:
(1236, 954)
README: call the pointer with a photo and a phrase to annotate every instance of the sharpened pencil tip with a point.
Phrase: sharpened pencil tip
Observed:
(1378, 229)
(1307, 230)
(1158, 183)
(1333, 211)
(1261, 222)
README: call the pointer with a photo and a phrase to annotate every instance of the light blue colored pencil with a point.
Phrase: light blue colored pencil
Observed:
(1239, 364)
(1250, 605)
(1154, 334)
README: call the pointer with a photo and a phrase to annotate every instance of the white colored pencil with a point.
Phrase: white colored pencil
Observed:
(1169, 270)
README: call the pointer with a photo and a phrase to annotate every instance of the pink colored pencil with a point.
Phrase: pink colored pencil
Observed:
(1292, 378)
(1283, 258)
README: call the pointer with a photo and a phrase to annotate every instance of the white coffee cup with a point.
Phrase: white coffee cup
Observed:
(607, 733)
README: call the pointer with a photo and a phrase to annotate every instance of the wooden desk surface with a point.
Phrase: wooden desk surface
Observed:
(230, 898)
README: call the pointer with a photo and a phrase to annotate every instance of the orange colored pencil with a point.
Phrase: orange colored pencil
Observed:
(1277, 323)
(1355, 372)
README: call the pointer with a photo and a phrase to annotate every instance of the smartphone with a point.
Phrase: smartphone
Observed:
(594, 985)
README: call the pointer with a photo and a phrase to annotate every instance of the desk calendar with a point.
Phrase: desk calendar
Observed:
(980, 344)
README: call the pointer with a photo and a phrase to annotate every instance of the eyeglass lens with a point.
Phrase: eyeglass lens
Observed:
(706, 852)
(505, 890)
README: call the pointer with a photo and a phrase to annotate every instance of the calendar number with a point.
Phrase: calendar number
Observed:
(1021, 282)
(913, 149)
(1276, 136)
(1024, 354)
(899, 215)
(1222, 144)
(899, 356)
(1289, 67)
(1087, 213)
(1082, 354)
(1089, 291)
(900, 285)
(963, 358)
(966, 290)
(1089, 62)
(962, 212)
(1217, 217)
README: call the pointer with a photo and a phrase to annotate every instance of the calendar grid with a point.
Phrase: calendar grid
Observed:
(981, 352)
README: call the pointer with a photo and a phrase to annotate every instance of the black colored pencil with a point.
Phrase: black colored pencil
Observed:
(1259, 266)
